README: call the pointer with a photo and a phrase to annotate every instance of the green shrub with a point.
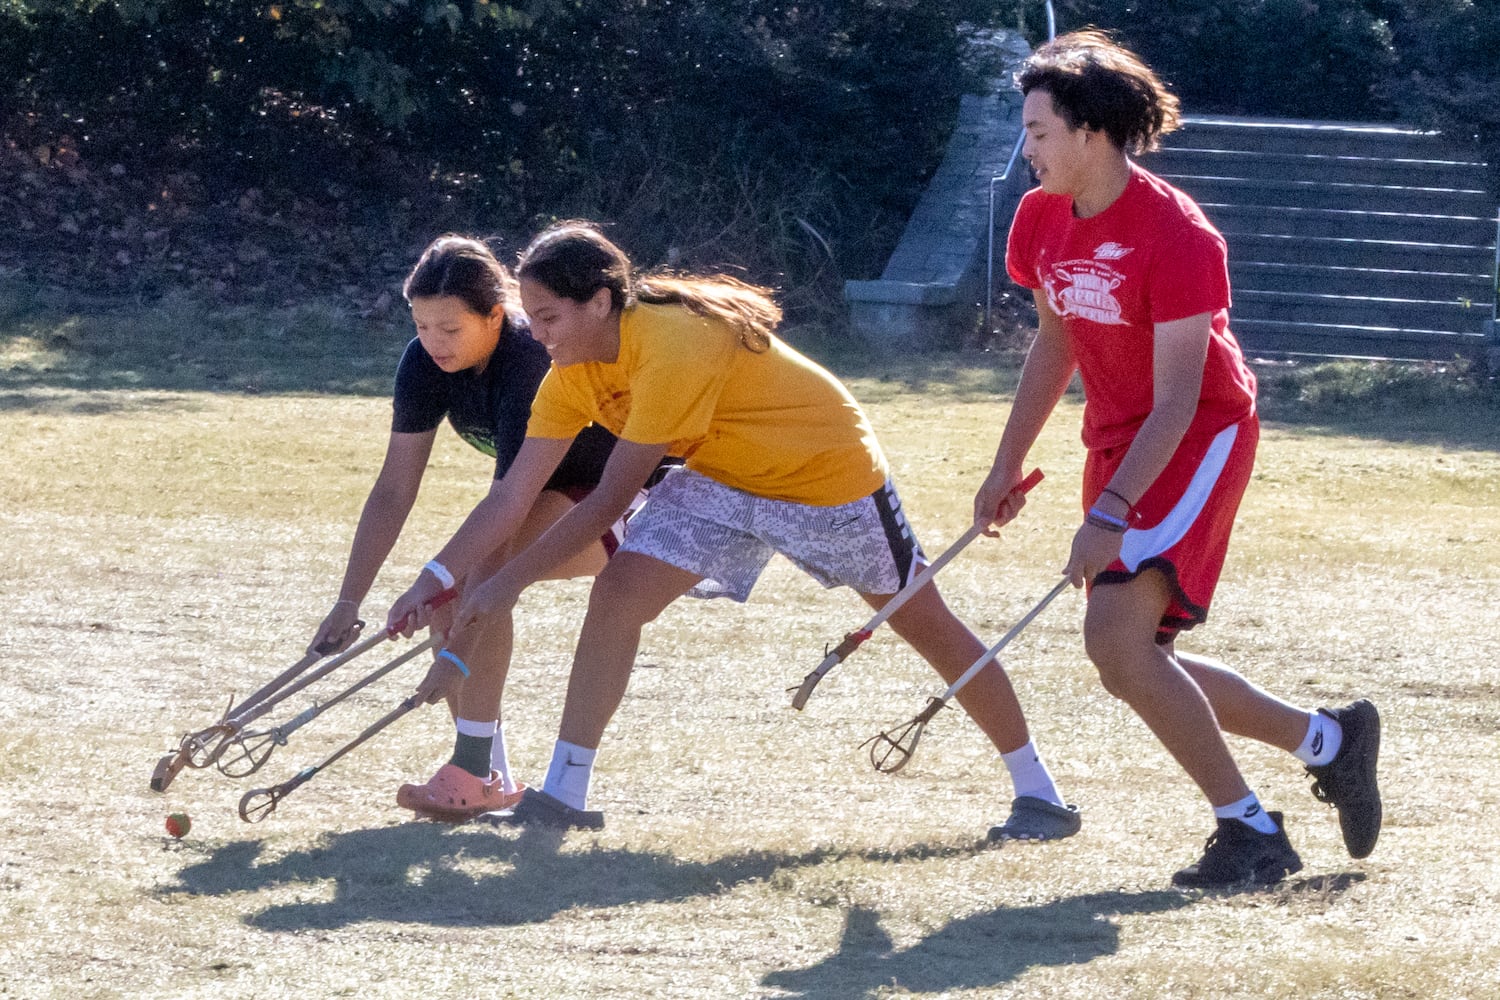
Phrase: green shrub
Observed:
(791, 140)
(1392, 393)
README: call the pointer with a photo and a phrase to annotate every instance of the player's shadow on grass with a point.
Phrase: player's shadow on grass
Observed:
(988, 949)
(473, 876)
(977, 952)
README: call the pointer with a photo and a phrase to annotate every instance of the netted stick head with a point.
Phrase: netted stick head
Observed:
(246, 754)
(202, 748)
(257, 804)
(890, 750)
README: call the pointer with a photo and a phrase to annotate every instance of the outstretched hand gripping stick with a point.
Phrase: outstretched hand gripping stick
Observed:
(206, 746)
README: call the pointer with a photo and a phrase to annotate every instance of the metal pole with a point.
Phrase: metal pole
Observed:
(989, 264)
(1493, 360)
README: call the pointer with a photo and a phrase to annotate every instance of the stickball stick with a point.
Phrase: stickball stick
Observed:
(891, 749)
(855, 639)
(254, 749)
(206, 746)
(257, 804)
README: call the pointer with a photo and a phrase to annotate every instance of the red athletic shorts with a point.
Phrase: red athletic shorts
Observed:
(1185, 517)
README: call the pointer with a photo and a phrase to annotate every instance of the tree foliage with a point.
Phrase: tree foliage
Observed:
(803, 125)
(791, 138)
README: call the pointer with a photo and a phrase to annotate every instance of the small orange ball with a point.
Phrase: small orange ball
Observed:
(178, 825)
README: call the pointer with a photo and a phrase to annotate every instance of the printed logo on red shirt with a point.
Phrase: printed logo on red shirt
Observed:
(1085, 289)
(1110, 251)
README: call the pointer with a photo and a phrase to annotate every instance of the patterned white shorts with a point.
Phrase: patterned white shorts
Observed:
(727, 536)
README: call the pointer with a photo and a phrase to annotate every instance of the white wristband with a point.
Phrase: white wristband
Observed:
(440, 572)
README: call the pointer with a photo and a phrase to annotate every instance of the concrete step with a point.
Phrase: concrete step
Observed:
(1296, 192)
(1280, 136)
(1455, 316)
(1256, 164)
(1323, 279)
(1388, 255)
(1264, 337)
(1272, 220)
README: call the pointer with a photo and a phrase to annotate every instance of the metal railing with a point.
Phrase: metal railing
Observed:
(1010, 165)
(1493, 360)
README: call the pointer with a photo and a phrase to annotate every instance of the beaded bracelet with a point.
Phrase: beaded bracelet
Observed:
(1131, 514)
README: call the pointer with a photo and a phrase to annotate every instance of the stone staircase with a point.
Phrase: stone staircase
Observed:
(1345, 240)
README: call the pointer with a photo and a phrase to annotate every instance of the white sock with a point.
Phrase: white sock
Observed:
(471, 727)
(500, 762)
(1030, 776)
(1321, 744)
(569, 773)
(1249, 812)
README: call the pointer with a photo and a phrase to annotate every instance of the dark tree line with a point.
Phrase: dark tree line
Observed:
(788, 138)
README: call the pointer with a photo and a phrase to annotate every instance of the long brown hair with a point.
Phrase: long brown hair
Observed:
(573, 260)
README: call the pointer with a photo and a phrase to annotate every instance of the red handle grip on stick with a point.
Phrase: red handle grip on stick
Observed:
(437, 601)
(1025, 485)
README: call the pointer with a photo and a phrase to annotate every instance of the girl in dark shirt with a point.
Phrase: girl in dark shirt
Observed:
(473, 361)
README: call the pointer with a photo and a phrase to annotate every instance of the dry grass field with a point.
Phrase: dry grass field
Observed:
(164, 547)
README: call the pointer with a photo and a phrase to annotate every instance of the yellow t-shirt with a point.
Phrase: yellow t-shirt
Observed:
(773, 424)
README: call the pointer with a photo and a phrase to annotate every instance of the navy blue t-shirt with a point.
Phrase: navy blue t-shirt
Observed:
(489, 409)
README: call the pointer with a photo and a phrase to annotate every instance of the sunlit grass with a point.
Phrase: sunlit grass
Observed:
(165, 546)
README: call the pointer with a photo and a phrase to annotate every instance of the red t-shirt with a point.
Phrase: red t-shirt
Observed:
(1150, 257)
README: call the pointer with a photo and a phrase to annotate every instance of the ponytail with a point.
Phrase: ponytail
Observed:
(747, 309)
(573, 260)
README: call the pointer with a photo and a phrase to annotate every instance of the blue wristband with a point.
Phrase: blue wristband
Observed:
(1096, 512)
(448, 654)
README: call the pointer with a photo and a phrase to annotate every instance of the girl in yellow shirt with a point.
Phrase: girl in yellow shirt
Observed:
(777, 457)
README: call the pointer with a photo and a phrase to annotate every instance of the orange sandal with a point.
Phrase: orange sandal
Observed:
(453, 795)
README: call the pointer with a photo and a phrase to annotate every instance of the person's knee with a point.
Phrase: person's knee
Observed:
(1115, 656)
(1119, 635)
(926, 614)
(618, 600)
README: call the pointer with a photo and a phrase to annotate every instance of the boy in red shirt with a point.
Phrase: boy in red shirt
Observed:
(1132, 292)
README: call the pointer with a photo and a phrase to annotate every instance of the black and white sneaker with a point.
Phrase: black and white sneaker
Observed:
(1238, 854)
(1347, 783)
(537, 808)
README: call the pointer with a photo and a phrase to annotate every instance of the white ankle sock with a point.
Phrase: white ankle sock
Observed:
(1322, 742)
(473, 727)
(569, 773)
(1030, 776)
(1249, 812)
(500, 762)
